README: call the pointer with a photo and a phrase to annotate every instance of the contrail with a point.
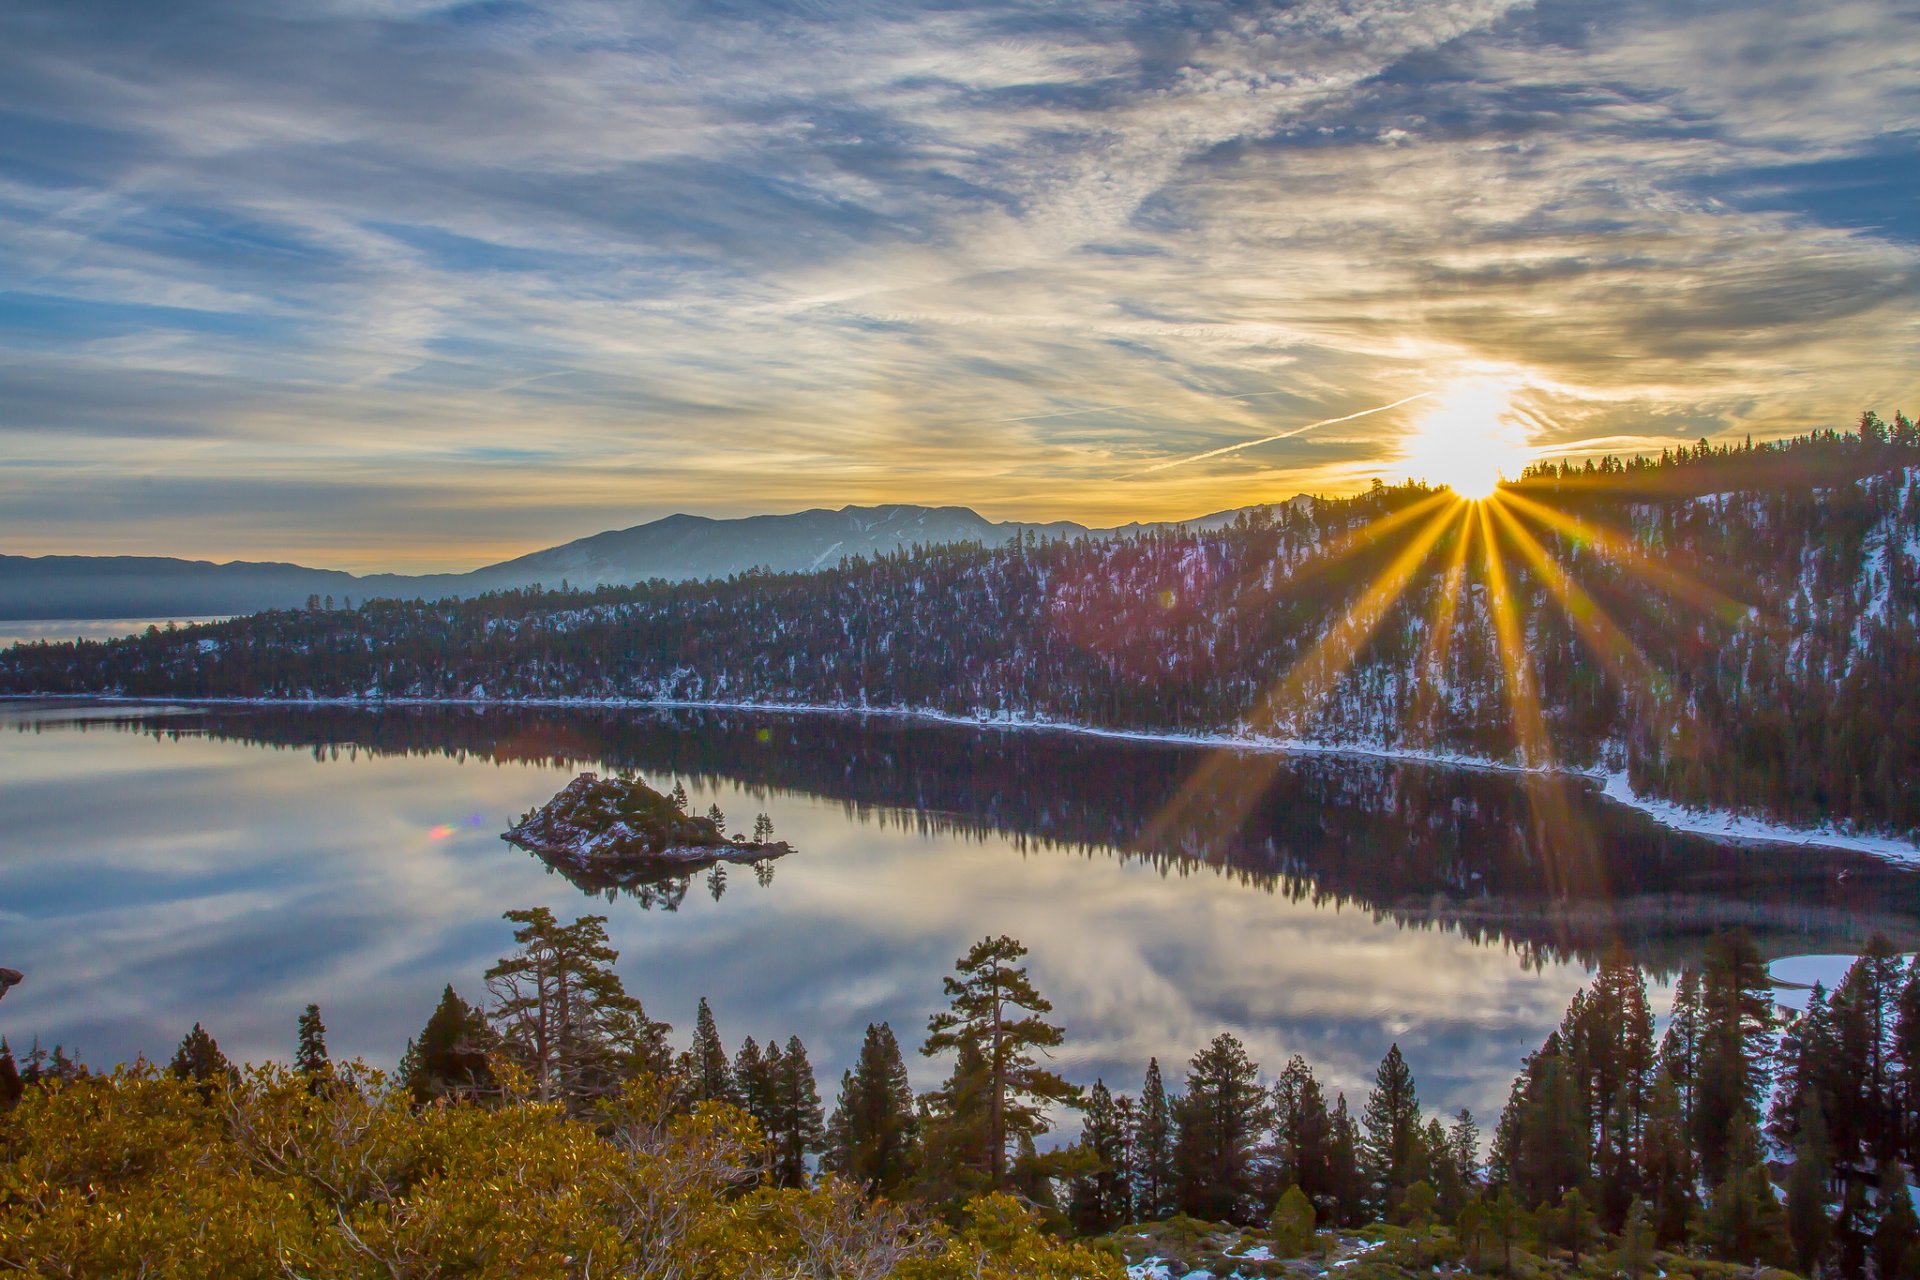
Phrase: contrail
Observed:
(1248, 444)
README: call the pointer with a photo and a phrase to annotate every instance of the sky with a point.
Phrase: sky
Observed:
(386, 284)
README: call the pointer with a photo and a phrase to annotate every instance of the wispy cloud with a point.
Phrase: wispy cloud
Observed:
(449, 281)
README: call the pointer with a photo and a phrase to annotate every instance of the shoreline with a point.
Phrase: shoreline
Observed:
(1724, 825)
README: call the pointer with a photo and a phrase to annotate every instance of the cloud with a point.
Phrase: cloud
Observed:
(752, 256)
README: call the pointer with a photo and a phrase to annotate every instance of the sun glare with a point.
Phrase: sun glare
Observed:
(1469, 441)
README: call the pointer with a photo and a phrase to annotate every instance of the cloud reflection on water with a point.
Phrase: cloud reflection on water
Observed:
(147, 884)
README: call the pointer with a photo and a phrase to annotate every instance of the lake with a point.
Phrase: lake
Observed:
(162, 865)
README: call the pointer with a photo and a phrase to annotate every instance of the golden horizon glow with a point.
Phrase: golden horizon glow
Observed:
(1469, 441)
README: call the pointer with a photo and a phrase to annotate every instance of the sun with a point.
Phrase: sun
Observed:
(1469, 440)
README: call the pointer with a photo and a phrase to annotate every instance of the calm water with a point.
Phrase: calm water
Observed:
(161, 866)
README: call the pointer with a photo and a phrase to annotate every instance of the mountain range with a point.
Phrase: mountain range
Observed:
(674, 548)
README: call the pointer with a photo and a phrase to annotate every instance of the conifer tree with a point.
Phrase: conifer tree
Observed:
(1219, 1121)
(1097, 1200)
(1344, 1170)
(199, 1059)
(956, 1144)
(1744, 1222)
(716, 817)
(1155, 1178)
(797, 1130)
(754, 1090)
(1808, 1226)
(1667, 1165)
(563, 1015)
(1393, 1156)
(1736, 1025)
(310, 1054)
(1896, 1240)
(678, 796)
(703, 1068)
(1806, 1055)
(1906, 1054)
(995, 1010)
(11, 1088)
(450, 1055)
(872, 1137)
(1637, 1241)
(1302, 1135)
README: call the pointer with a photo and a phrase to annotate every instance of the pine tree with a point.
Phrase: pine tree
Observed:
(1155, 1178)
(717, 818)
(678, 796)
(198, 1058)
(11, 1088)
(1806, 1055)
(1220, 1120)
(1896, 1241)
(1666, 1163)
(873, 1135)
(797, 1130)
(1392, 1150)
(1344, 1170)
(754, 1090)
(762, 829)
(1736, 1025)
(995, 1010)
(1637, 1242)
(1744, 1222)
(1808, 1226)
(450, 1056)
(562, 1013)
(310, 1055)
(1302, 1135)
(1097, 1199)
(703, 1068)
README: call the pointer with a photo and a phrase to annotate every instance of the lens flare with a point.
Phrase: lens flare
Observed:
(1469, 441)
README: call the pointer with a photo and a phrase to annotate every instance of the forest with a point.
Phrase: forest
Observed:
(552, 1130)
(1732, 626)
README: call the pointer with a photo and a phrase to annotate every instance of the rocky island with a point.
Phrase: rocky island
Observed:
(614, 827)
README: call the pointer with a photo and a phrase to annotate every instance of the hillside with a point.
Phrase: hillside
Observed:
(1734, 627)
(674, 548)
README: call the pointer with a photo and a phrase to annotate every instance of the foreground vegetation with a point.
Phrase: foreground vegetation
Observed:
(555, 1133)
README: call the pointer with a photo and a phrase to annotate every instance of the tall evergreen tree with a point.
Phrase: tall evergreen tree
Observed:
(753, 1081)
(1736, 1026)
(310, 1052)
(1667, 1165)
(995, 1010)
(1392, 1125)
(873, 1135)
(1344, 1170)
(11, 1088)
(1097, 1200)
(1744, 1222)
(563, 1015)
(1220, 1120)
(1156, 1180)
(703, 1068)
(797, 1130)
(450, 1055)
(1896, 1240)
(1809, 1227)
(1303, 1136)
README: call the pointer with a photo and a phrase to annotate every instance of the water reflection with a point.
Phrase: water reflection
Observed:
(162, 866)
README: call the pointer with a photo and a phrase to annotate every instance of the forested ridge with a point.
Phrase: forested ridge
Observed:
(1734, 626)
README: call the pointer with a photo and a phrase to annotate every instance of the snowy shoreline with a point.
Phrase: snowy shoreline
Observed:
(1719, 824)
